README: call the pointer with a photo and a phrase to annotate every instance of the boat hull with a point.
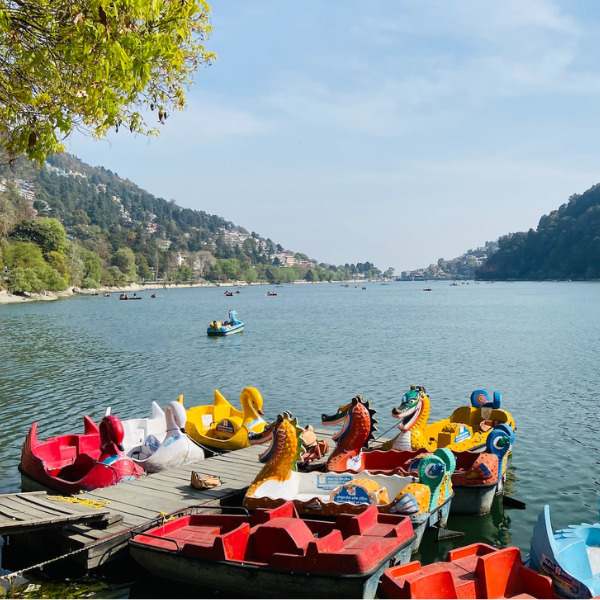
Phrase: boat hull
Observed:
(223, 331)
(473, 500)
(230, 579)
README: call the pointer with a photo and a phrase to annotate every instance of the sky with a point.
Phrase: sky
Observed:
(396, 131)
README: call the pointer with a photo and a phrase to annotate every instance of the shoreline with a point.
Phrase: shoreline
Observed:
(7, 298)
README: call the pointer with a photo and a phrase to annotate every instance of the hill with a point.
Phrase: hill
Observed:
(129, 234)
(565, 245)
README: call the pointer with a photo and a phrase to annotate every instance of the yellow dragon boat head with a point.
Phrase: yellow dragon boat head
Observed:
(467, 427)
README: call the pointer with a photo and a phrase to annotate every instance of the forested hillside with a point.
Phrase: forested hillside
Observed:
(117, 233)
(565, 245)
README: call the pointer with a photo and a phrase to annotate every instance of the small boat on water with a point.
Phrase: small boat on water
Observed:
(570, 556)
(159, 442)
(228, 327)
(275, 553)
(152, 295)
(74, 462)
(107, 294)
(467, 428)
(428, 289)
(271, 293)
(125, 296)
(222, 426)
(228, 293)
(475, 571)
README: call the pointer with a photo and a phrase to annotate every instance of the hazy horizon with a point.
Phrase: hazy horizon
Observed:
(391, 132)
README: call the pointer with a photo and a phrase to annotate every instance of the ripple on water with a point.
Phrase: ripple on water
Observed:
(314, 347)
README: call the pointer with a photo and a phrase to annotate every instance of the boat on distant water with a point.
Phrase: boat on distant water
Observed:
(228, 293)
(269, 293)
(231, 325)
(125, 296)
(570, 556)
(475, 571)
(276, 553)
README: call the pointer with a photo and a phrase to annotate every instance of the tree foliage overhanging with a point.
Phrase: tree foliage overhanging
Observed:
(565, 245)
(95, 65)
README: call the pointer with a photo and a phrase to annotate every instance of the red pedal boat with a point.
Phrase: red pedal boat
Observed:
(275, 553)
(475, 571)
(74, 462)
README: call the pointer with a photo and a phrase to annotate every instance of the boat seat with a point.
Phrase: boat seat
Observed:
(280, 535)
(77, 469)
(209, 542)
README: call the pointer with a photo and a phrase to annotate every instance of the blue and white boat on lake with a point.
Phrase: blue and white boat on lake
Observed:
(570, 556)
(232, 325)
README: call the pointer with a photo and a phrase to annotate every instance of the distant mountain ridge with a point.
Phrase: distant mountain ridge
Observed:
(107, 214)
(565, 245)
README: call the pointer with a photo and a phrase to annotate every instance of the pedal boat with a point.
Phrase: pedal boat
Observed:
(221, 426)
(228, 327)
(467, 427)
(476, 480)
(276, 553)
(74, 462)
(158, 443)
(475, 571)
(425, 499)
(570, 556)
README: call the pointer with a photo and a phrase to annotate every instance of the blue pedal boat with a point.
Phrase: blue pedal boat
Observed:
(570, 556)
(232, 325)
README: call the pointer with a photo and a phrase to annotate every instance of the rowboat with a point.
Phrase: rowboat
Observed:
(158, 443)
(74, 462)
(570, 556)
(475, 571)
(275, 553)
(228, 327)
(221, 425)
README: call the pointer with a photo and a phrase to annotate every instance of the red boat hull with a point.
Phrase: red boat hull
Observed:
(74, 462)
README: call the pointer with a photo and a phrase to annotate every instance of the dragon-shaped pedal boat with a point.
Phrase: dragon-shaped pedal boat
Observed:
(426, 498)
(570, 556)
(466, 429)
(275, 553)
(477, 479)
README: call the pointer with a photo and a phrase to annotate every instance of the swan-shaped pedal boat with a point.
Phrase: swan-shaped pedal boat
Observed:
(228, 327)
(426, 498)
(466, 429)
(74, 462)
(570, 556)
(158, 443)
(222, 426)
(478, 476)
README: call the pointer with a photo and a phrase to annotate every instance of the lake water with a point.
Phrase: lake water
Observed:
(312, 348)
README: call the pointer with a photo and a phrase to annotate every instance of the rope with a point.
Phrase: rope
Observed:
(385, 432)
(84, 501)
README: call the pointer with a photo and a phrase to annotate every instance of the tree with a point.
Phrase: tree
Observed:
(47, 233)
(124, 260)
(93, 64)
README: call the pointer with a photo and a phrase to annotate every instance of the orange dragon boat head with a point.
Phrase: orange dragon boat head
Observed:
(358, 425)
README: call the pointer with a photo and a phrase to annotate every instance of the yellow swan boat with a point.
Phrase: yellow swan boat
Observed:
(222, 426)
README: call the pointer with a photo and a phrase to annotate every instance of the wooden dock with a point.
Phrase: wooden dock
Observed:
(138, 505)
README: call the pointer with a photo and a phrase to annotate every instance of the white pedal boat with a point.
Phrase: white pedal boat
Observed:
(159, 442)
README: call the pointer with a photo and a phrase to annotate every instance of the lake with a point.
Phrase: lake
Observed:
(312, 348)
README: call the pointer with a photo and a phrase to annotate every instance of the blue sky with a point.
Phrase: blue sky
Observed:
(392, 131)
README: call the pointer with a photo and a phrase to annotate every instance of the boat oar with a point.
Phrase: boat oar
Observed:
(510, 502)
